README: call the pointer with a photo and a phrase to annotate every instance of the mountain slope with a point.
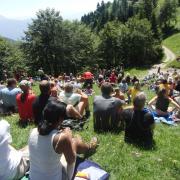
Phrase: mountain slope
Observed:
(13, 29)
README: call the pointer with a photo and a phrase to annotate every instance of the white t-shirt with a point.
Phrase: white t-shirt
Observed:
(9, 157)
(70, 98)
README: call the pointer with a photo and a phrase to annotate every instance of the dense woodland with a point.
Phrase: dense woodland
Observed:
(128, 32)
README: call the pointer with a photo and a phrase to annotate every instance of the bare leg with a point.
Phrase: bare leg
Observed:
(72, 112)
(84, 104)
(80, 146)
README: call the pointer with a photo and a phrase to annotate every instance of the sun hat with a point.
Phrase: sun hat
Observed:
(25, 83)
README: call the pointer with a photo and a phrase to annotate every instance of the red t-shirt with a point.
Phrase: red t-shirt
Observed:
(25, 108)
(113, 78)
(87, 75)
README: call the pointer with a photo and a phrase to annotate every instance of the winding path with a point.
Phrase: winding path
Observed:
(170, 56)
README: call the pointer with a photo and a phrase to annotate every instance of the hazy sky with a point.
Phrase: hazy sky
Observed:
(69, 9)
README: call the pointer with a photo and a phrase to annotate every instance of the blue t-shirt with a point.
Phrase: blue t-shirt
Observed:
(8, 96)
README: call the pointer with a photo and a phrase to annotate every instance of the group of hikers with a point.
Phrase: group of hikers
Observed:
(52, 149)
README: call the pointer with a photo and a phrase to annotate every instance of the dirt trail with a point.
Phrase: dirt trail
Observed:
(170, 56)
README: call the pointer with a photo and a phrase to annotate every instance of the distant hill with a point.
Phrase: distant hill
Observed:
(13, 29)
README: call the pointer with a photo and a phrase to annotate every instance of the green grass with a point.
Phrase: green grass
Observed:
(174, 64)
(121, 160)
(173, 43)
(139, 72)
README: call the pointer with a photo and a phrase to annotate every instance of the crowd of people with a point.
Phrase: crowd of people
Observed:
(122, 105)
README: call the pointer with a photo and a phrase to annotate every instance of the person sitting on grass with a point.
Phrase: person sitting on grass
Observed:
(47, 144)
(162, 101)
(107, 110)
(123, 86)
(132, 92)
(42, 100)
(24, 103)
(8, 96)
(118, 94)
(139, 123)
(78, 100)
(13, 163)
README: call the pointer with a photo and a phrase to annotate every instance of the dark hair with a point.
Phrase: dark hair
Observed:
(106, 89)
(23, 97)
(164, 81)
(11, 82)
(51, 115)
(44, 87)
(139, 101)
(161, 92)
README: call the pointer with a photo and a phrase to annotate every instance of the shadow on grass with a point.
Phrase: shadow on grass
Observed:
(148, 146)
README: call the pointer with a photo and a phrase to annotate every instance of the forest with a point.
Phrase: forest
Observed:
(124, 31)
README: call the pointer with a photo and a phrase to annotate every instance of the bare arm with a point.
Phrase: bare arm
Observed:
(152, 100)
(174, 103)
(63, 143)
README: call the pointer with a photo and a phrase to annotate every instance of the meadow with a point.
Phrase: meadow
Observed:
(121, 160)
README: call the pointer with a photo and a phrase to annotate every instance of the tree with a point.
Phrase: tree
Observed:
(56, 45)
(43, 42)
(11, 57)
(167, 15)
(132, 43)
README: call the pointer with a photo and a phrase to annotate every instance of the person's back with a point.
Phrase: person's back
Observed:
(70, 98)
(137, 125)
(44, 161)
(25, 101)
(138, 122)
(25, 108)
(8, 96)
(162, 104)
(41, 101)
(106, 111)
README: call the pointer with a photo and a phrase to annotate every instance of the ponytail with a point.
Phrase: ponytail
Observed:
(23, 97)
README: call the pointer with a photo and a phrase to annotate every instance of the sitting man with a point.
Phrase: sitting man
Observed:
(78, 100)
(14, 164)
(139, 122)
(42, 100)
(107, 110)
(24, 103)
(8, 96)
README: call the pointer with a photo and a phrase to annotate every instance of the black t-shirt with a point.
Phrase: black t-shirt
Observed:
(138, 125)
(162, 104)
(38, 107)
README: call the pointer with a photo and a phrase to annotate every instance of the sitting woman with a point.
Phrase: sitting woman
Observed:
(47, 145)
(162, 102)
(24, 103)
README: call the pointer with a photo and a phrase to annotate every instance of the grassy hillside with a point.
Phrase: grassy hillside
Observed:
(121, 160)
(173, 43)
